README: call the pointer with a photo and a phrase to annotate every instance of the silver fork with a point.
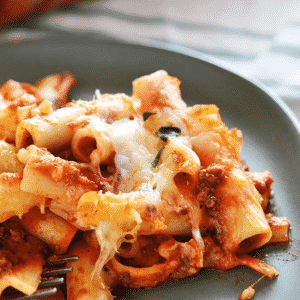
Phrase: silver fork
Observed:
(46, 288)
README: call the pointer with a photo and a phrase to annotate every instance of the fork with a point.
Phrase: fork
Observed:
(46, 288)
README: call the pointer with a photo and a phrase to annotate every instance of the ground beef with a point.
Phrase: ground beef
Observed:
(16, 245)
(209, 178)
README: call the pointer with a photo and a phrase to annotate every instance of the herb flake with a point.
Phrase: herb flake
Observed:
(167, 131)
(157, 157)
(146, 115)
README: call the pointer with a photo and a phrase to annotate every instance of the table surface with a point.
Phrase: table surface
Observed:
(268, 54)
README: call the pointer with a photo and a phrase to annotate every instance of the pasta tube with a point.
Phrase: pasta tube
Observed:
(238, 216)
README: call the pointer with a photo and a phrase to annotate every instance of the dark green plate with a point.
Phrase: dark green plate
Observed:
(271, 136)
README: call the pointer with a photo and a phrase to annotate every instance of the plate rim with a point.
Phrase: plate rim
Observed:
(174, 48)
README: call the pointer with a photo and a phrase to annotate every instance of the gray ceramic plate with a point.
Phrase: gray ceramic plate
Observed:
(271, 137)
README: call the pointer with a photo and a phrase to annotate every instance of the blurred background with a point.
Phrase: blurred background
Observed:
(260, 38)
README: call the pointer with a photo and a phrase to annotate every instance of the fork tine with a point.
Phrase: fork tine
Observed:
(39, 294)
(54, 272)
(51, 282)
(56, 261)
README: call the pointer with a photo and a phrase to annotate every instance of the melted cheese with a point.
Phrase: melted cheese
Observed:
(135, 151)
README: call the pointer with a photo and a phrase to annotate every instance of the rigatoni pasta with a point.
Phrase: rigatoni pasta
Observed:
(127, 175)
(55, 231)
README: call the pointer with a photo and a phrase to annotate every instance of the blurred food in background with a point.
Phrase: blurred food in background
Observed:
(17, 12)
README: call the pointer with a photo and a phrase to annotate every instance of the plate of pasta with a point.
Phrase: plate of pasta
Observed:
(168, 174)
